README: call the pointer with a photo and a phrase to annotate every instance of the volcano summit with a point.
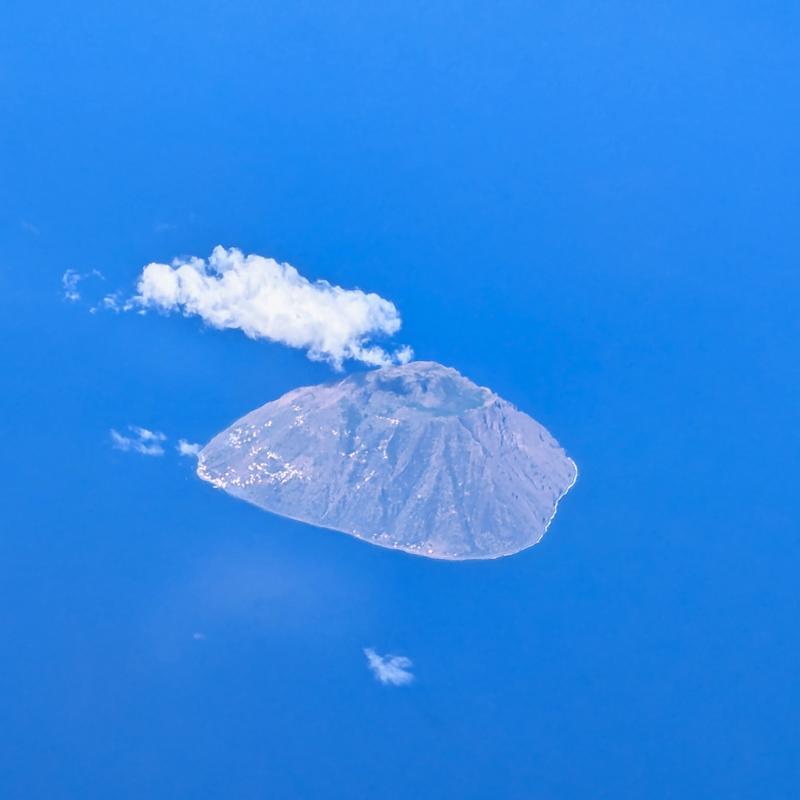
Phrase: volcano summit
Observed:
(414, 457)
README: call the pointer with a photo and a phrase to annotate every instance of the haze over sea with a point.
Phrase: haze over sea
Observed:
(590, 209)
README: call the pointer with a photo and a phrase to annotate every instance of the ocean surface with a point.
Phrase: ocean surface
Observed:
(591, 210)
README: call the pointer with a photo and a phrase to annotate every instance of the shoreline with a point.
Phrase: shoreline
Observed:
(431, 556)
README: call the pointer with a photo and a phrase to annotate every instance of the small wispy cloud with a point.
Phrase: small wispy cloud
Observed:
(70, 280)
(111, 302)
(389, 669)
(188, 449)
(29, 227)
(140, 440)
(266, 299)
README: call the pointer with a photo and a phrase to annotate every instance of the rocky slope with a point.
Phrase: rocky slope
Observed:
(416, 458)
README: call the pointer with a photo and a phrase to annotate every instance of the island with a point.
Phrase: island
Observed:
(415, 458)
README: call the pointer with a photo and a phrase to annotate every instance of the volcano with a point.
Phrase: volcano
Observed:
(415, 458)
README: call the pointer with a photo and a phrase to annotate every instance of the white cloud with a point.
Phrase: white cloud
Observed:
(70, 280)
(141, 440)
(111, 303)
(269, 300)
(189, 449)
(389, 669)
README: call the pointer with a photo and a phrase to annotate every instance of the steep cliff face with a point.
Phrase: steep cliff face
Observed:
(416, 458)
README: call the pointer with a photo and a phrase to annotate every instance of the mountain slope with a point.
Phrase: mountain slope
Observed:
(416, 458)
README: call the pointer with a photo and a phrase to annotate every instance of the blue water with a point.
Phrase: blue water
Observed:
(590, 209)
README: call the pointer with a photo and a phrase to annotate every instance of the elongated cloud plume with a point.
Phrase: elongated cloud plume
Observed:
(389, 669)
(268, 300)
